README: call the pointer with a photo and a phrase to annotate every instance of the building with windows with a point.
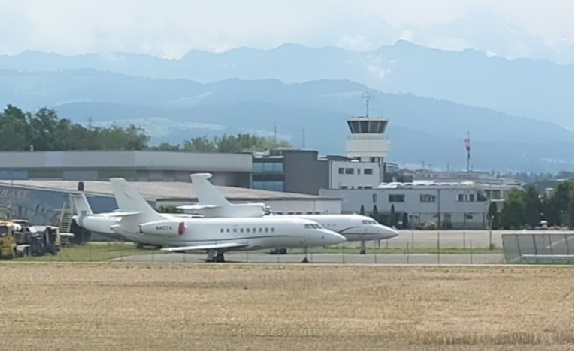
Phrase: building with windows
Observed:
(291, 171)
(458, 205)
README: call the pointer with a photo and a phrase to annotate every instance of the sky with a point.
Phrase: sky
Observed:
(170, 28)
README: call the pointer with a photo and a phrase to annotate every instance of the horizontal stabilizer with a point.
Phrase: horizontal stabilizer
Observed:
(123, 214)
(222, 246)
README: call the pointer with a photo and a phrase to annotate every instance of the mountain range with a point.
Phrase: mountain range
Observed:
(431, 98)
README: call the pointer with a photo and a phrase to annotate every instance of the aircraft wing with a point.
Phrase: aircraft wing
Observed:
(195, 207)
(227, 246)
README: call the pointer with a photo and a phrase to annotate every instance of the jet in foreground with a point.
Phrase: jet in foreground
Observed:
(139, 222)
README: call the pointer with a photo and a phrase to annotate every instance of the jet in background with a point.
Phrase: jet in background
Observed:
(353, 227)
(139, 222)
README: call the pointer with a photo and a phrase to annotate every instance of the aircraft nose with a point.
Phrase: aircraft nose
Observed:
(333, 238)
(386, 232)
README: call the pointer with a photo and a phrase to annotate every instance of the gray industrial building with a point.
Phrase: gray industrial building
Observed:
(227, 169)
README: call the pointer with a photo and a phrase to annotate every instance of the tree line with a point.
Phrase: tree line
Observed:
(45, 131)
(528, 208)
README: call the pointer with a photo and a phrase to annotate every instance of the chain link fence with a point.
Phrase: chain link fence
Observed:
(544, 248)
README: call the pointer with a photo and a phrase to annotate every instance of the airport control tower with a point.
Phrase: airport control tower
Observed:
(367, 142)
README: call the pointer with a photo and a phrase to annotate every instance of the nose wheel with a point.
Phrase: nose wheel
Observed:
(363, 249)
(305, 259)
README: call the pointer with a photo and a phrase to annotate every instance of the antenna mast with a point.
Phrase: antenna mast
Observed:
(467, 146)
(367, 97)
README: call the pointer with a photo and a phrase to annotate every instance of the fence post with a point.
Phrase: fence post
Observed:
(438, 247)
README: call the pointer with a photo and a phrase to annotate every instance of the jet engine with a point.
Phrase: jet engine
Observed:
(165, 227)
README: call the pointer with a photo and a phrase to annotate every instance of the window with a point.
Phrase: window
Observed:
(247, 230)
(266, 230)
(221, 230)
(460, 198)
(260, 230)
(358, 171)
(368, 171)
(227, 230)
(341, 170)
(396, 198)
(471, 197)
(272, 230)
(427, 198)
(374, 197)
(235, 230)
(349, 170)
(242, 230)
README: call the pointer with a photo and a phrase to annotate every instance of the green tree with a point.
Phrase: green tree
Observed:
(14, 130)
(560, 205)
(169, 209)
(199, 144)
(375, 214)
(514, 209)
(166, 147)
(493, 215)
(532, 207)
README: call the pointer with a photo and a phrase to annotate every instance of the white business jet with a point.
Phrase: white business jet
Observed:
(214, 235)
(353, 227)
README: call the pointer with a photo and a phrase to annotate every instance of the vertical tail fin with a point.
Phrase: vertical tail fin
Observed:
(207, 193)
(128, 199)
(81, 204)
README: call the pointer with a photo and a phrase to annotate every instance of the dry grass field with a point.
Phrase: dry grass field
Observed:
(83, 306)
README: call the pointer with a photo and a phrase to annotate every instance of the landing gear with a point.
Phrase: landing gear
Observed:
(305, 259)
(363, 249)
(212, 257)
(219, 257)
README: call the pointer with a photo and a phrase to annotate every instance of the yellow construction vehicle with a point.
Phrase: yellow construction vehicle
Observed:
(8, 247)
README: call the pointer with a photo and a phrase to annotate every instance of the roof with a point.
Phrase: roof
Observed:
(159, 190)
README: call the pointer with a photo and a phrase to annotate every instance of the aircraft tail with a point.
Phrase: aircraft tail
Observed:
(81, 204)
(128, 199)
(206, 192)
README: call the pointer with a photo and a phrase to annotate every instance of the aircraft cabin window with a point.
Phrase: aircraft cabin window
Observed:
(254, 230)
(227, 230)
(221, 230)
(260, 230)
(235, 230)
(266, 230)
(247, 230)
(272, 230)
(241, 230)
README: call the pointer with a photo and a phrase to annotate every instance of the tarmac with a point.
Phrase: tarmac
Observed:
(262, 258)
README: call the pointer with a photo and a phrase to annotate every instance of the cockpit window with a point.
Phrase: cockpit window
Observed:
(312, 226)
(366, 221)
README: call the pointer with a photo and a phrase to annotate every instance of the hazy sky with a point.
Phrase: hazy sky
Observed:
(170, 28)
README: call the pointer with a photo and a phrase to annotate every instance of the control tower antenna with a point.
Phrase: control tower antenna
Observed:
(467, 146)
(367, 97)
